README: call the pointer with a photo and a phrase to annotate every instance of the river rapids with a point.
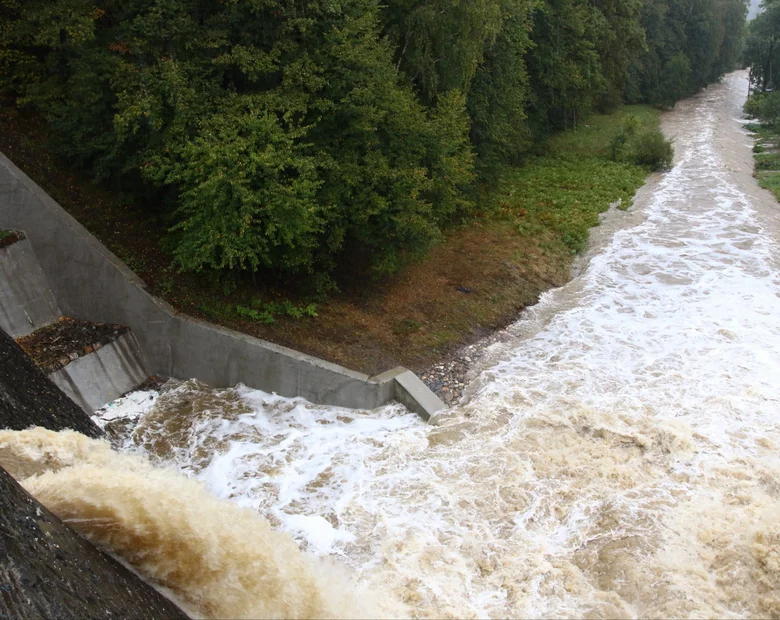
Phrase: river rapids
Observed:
(618, 454)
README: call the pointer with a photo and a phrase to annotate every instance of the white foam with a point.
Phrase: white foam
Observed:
(618, 459)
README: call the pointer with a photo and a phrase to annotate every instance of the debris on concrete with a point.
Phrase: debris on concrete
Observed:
(56, 345)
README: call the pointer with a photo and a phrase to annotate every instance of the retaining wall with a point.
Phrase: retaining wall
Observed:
(90, 283)
(26, 301)
(104, 375)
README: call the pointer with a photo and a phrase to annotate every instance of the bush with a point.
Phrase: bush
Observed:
(765, 107)
(652, 150)
(618, 144)
(752, 106)
(769, 109)
(275, 136)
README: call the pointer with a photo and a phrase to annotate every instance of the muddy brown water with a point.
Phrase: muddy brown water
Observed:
(617, 454)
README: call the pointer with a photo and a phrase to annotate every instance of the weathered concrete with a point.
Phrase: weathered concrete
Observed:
(48, 571)
(28, 398)
(410, 390)
(26, 301)
(89, 282)
(104, 375)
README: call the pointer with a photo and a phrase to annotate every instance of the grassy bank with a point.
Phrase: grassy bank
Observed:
(766, 152)
(478, 279)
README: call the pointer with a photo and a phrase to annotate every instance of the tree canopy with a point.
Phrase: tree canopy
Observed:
(762, 47)
(301, 135)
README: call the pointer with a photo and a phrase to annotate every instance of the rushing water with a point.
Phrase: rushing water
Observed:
(618, 455)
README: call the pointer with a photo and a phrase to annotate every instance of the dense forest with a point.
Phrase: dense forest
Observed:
(762, 56)
(300, 136)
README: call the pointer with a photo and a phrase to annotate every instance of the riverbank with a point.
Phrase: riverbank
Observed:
(476, 281)
(766, 153)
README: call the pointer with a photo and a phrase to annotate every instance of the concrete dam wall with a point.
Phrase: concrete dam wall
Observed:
(89, 282)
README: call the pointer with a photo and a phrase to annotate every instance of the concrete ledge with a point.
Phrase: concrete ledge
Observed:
(90, 283)
(93, 380)
(26, 301)
(416, 396)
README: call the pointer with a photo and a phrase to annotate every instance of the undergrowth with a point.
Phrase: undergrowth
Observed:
(766, 153)
(565, 190)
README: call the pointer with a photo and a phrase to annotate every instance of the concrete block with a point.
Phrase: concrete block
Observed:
(411, 392)
(93, 380)
(26, 301)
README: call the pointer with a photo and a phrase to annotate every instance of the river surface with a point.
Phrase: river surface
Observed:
(618, 454)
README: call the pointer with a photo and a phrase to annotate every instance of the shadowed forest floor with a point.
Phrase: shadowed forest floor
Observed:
(477, 280)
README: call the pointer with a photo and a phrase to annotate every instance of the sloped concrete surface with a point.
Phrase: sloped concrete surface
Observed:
(104, 375)
(28, 398)
(48, 571)
(89, 282)
(26, 301)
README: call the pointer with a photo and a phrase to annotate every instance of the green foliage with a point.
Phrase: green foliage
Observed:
(765, 107)
(768, 161)
(651, 149)
(769, 110)
(259, 316)
(675, 80)
(500, 94)
(266, 312)
(767, 145)
(752, 107)
(643, 146)
(440, 44)
(247, 193)
(566, 194)
(689, 43)
(300, 138)
(278, 137)
(560, 195)
(762, 47)
(619, 143)
(217, 309)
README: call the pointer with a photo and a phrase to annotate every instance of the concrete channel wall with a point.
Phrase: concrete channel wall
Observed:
(90, 283)
(26, 301)
(104, 375)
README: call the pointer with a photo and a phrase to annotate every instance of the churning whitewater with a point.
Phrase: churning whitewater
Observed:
(618, 455)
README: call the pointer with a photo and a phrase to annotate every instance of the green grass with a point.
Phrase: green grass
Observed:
(767, 157)
(593, 137)
(564, 191)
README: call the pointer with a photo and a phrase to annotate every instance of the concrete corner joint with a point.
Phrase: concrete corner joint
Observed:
(89, 282)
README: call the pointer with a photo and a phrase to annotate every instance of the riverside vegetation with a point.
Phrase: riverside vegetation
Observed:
(374, 184)
(762, 55)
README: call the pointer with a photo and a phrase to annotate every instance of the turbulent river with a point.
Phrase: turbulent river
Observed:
(617, 455)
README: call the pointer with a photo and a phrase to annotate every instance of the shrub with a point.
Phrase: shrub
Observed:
(630, 127)
(752, 106)
(651, 149)
(765, 107)
(769, 109)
